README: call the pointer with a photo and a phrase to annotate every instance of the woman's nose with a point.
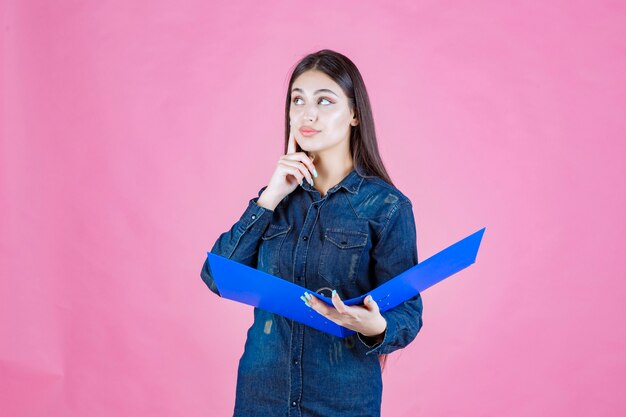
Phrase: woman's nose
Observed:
(310, 113)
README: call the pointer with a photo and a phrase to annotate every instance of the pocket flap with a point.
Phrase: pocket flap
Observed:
(346, 239)
(274, 230)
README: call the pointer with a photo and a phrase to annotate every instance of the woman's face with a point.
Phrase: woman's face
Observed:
(319, 103)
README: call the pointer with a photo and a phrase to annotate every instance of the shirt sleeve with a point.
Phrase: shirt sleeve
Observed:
(395, 252)
(241, 242)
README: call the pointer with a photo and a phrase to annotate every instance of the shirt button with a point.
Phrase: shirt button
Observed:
(314, 206)
(293, 403)
(305, 238)
(253, 216)
(295, 362)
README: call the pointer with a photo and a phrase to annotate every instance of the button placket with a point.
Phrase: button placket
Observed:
(297, 330)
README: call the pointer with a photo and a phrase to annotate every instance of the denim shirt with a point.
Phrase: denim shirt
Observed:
(355, 238)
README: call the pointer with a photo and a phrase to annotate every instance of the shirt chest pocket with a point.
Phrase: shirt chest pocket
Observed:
(269, 251)
(340, 256)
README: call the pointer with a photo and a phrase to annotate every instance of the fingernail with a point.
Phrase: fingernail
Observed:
(305, 301)
(308, 296)
(314, 172)
(311, 182)
(334, 293)
(301, 182)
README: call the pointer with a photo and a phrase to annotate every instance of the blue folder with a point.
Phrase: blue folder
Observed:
(248, 285)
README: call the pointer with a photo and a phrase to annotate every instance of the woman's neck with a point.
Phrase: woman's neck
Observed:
(331, 170)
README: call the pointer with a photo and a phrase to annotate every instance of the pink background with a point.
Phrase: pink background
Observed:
(134, 133)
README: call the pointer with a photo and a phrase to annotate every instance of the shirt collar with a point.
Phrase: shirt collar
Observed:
(351, 182)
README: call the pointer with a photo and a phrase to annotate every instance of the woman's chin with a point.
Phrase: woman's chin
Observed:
(307, 148)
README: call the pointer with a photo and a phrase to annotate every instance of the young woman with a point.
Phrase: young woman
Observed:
(330, 220)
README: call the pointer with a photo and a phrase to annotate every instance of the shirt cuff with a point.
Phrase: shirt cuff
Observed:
(388, 335)
(255, 217)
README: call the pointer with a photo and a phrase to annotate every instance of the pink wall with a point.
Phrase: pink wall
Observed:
(134, 133)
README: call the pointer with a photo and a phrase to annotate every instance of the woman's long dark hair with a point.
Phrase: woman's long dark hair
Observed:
(363, 144)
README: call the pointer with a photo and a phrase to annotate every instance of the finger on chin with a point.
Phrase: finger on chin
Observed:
(291, 144)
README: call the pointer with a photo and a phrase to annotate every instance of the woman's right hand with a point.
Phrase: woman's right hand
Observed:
(291, 169)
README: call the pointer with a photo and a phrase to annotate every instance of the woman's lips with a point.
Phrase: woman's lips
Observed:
(308, 132)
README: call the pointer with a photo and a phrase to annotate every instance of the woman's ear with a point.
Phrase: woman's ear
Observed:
(354, 120)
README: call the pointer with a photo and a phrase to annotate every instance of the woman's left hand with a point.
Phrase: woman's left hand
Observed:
(365, 319)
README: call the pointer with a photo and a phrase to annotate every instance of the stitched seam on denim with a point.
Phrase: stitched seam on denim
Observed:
(389, 216)
(293, 324)
(301, 371)
(383, 183)
(280, 247)
(323, 257)
(280, 231)
(259, 213)
(349, 200)
(358, 186)
(361, 235)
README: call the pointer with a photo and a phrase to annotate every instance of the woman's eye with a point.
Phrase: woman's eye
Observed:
(295, 100)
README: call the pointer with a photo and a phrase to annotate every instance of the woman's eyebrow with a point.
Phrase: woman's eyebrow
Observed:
(323, 90)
